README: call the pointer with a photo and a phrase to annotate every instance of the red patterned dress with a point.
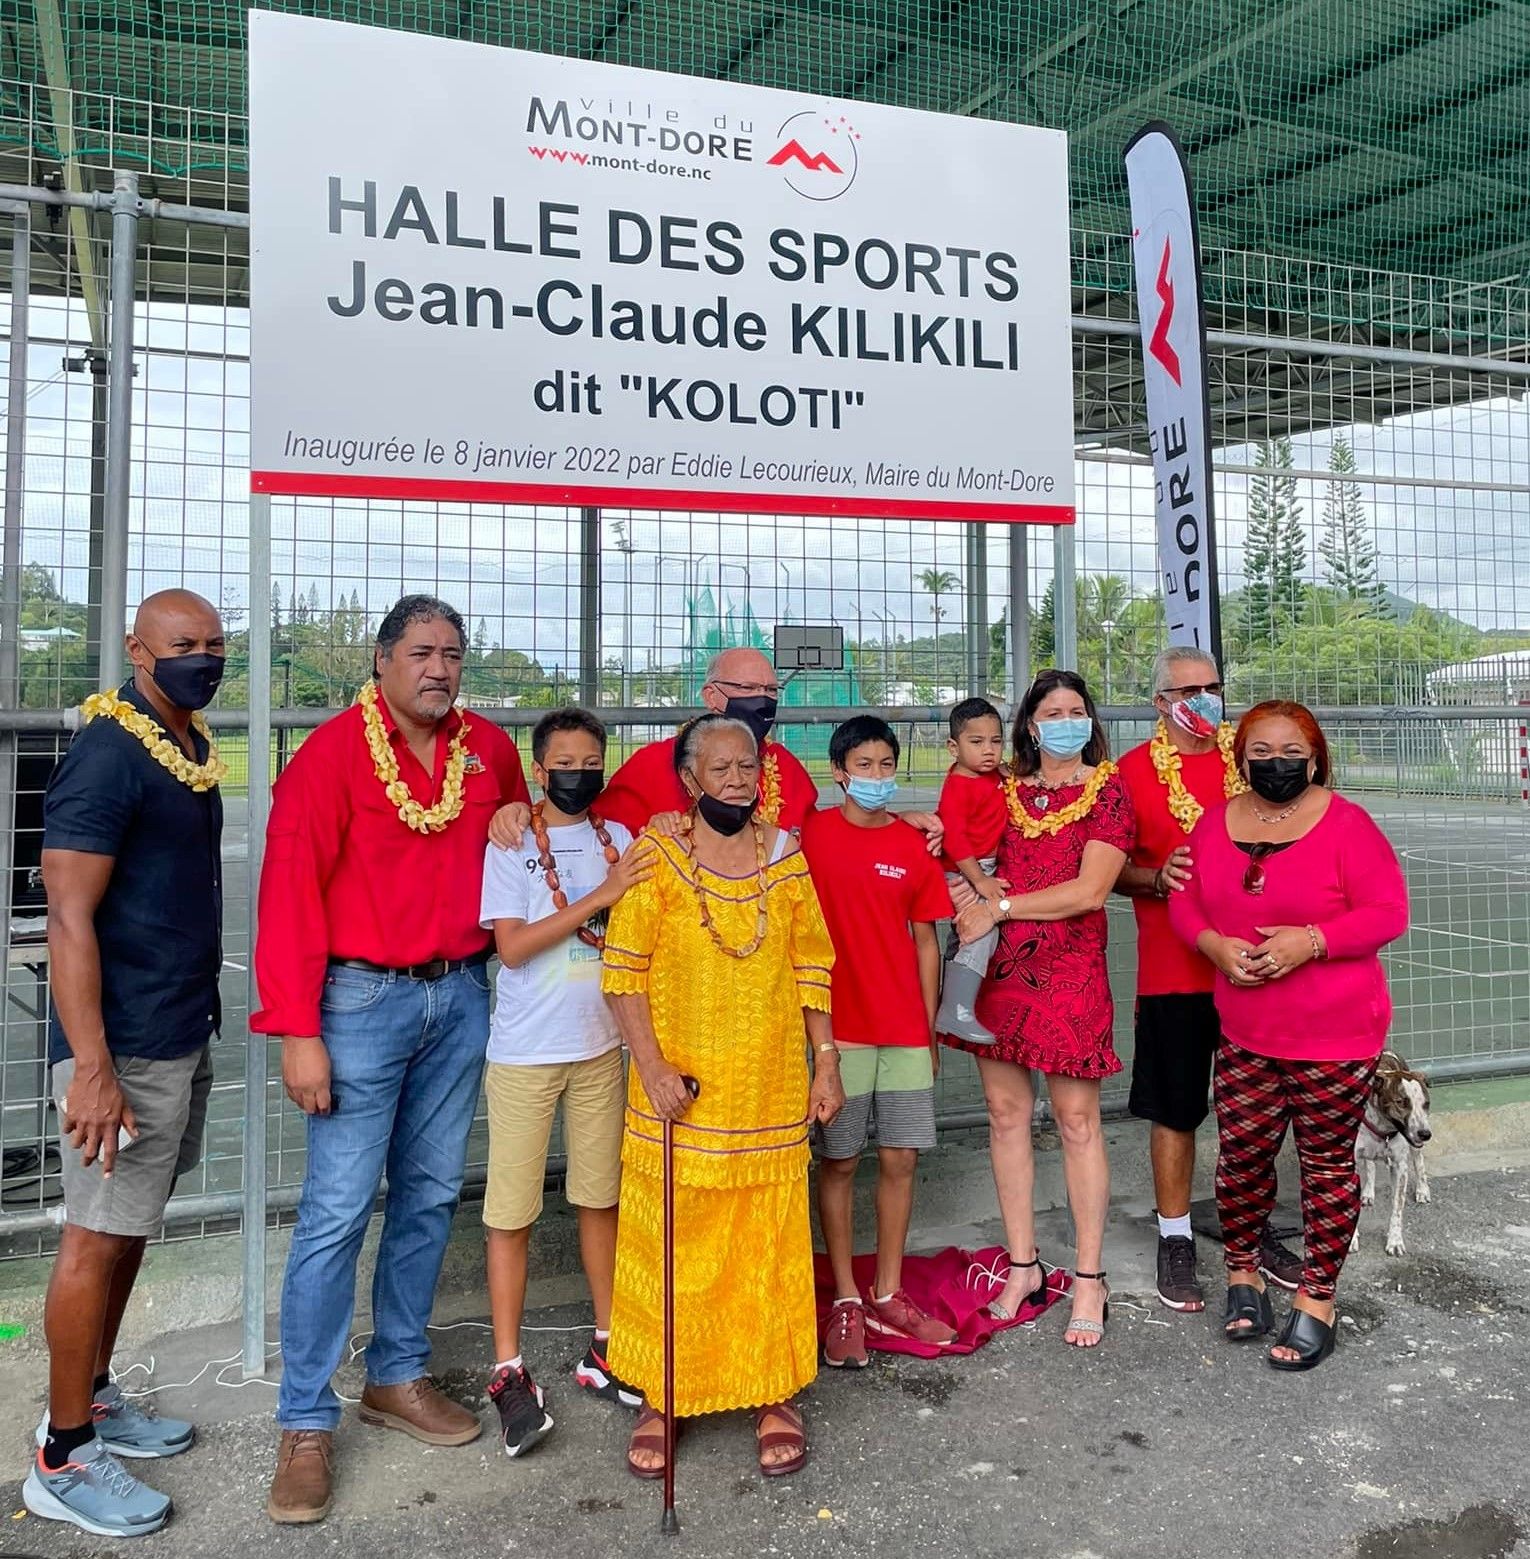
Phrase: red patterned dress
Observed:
(1047, 995)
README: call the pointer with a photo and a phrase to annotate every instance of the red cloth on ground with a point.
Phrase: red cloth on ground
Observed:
(973, 808)
(1047, 997)
(1165, 965)
(647, 784)
(954, 1286)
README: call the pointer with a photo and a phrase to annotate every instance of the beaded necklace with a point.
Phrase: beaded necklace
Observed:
(761, 916)
(549, 864)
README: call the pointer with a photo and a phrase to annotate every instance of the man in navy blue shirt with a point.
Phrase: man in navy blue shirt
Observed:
(133, 825)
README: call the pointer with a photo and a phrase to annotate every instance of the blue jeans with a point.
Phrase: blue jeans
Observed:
(406, 1061)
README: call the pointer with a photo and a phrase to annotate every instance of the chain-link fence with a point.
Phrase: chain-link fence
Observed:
(1373, 458)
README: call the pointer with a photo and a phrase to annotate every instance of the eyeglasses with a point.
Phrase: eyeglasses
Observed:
(1253, 876)
(1192, 689)
(749, 689)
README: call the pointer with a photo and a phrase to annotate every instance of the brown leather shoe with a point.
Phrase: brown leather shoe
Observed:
(420, 1410)
(300, 1491)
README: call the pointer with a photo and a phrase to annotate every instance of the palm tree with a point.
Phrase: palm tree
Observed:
(1105, 601)
(938, 582)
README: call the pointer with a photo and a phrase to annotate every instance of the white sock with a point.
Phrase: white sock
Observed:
(1169, 1227)
(513, 1364)
(880, 1299)
(601, 1336)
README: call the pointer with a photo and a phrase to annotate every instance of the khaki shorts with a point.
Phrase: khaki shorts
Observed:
(522, 1103)
(169, 1099)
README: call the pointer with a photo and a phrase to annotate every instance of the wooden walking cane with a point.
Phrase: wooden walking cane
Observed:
(669, 1522)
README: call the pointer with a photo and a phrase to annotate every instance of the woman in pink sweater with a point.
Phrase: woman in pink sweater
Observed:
(1295, 891)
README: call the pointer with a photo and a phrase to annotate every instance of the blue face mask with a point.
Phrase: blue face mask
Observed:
(1064, 738)
(872, 794)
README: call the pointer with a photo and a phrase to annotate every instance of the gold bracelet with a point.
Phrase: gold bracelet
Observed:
(1317, 947)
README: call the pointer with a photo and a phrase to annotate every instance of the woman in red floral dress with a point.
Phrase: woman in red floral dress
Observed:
(1047, 995)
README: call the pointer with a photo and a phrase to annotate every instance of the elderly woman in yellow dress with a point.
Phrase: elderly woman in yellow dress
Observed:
(717, 968)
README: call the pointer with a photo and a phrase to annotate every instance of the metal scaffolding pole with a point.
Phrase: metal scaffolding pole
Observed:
(589, 607)
(1065, 597)
(1019, 611)
(977, 609)
(255, 1066)
(10, 555)
(119, 427)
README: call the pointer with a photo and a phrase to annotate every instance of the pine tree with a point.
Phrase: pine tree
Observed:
(1349, 555)
(276, 606)
(1275, 549)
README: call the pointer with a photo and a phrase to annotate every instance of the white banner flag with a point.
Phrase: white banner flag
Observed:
(479, 273)
(1167, 256)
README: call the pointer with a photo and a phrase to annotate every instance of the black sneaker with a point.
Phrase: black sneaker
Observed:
(594, 1374)
(1279, 1263)
(523, 1416)
(1178, 1286)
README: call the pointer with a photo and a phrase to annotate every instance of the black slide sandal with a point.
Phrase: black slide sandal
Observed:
(1311, 1338)
(1247, 1303)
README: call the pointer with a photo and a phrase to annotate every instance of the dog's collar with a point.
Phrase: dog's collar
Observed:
(1380, 1136)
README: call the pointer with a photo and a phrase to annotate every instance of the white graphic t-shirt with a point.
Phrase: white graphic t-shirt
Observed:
(550, 1010)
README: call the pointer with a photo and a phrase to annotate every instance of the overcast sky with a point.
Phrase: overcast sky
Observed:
(1463, 549)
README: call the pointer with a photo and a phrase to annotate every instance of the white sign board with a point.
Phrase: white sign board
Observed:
(483, 274)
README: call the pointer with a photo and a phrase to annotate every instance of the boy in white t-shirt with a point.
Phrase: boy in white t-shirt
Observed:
(552, 1038)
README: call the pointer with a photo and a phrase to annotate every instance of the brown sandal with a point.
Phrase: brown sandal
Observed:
(647, 1435)
(777, 1439)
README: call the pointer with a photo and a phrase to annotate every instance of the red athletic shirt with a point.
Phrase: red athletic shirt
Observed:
(973, 808)
(872, 883)
(344, 877)
(647, 784)
(1165, 965)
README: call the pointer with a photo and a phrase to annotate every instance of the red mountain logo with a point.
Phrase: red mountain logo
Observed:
(805, 163)
(793, 152)
(1159, 345)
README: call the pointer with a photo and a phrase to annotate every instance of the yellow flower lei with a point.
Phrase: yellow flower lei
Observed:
(1183, 807)
(1055, 822)
(770, 790)
(423, 820)
(199, 776)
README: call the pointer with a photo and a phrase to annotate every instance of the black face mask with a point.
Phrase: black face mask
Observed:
(725, 817)
(1279, 780)
(758, 713)
(574, 790)
(188, 681)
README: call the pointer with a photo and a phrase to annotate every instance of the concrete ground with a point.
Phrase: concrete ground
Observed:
(1410, 1441)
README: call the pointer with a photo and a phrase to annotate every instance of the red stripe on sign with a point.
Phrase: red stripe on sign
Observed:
(308, 484)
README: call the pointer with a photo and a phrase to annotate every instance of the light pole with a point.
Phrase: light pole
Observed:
(885, 618)
(786, 591)
(1107, 627)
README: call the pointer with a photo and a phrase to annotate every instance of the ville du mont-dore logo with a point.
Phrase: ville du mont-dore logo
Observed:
(819, 157)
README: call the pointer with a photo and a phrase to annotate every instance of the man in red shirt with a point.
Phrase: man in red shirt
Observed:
(1184, 769)
(372, 968)
(741, 683)
(881, 894)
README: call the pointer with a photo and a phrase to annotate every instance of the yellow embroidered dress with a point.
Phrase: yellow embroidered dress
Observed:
(746, 1333)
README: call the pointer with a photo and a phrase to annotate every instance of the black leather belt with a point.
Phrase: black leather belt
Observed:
(434, 970)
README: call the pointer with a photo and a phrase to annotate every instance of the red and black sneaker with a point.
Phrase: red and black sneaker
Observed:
(594, 1374)
(523, 1415)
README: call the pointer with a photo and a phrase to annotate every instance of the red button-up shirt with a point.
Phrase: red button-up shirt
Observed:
(344, 876)
(647, 784)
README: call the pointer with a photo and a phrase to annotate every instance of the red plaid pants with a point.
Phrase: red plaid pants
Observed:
(1257, 1098)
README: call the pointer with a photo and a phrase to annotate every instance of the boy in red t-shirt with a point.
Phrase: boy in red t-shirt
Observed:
(972, 806)
(882, 893)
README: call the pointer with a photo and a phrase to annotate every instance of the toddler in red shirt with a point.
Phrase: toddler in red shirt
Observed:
(972, 806)
(882, 894)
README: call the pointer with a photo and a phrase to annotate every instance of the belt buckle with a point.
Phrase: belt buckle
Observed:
(431, 971)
